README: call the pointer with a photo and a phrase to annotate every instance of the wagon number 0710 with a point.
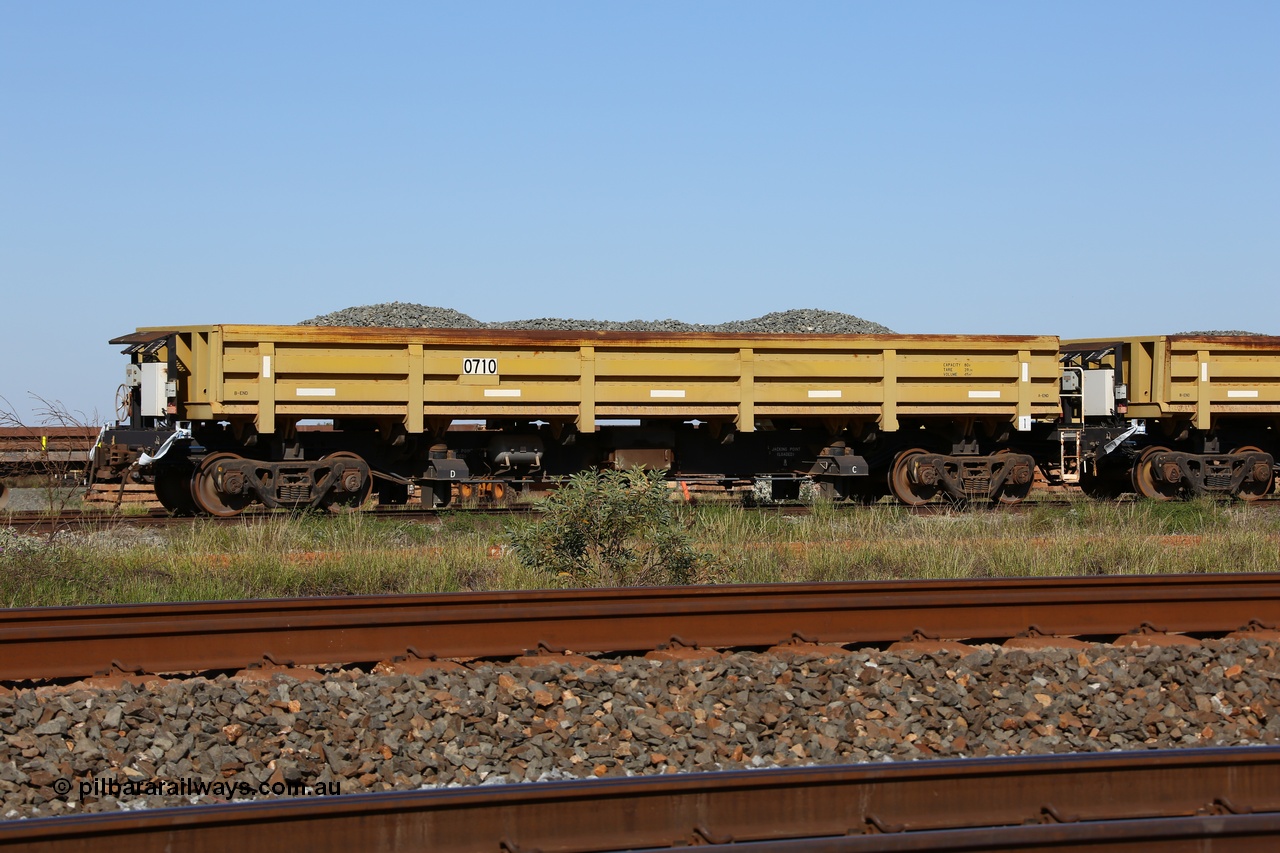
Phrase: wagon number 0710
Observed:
(479, 366)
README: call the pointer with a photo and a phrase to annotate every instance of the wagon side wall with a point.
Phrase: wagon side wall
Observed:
(275, 373)
(1199, 379)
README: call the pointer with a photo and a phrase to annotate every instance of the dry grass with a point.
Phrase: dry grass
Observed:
(350, 555)
(1084, 539)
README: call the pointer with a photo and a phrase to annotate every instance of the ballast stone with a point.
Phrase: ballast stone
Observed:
(629, 715)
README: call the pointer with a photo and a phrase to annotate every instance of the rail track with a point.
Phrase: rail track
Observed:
(1204, 799)
(1199, 800)
(71, 642)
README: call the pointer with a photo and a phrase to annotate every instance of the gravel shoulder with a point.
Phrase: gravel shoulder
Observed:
(35, 500)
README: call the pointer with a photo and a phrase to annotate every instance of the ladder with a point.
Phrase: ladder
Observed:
(1069, 455)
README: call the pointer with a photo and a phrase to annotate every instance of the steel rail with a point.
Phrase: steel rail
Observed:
(908, 805)
(40, 643)
(1258, 833)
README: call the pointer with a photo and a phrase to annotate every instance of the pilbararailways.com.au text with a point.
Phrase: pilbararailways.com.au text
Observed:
(226, 790)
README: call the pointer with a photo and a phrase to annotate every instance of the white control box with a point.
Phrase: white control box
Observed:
(155, 381)
(1099, 393)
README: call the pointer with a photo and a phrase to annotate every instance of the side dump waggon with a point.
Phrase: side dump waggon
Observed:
(224, 416)
(1173, 416)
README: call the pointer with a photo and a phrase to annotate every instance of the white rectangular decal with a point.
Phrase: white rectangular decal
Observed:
(479, 367)
(266, 367)
(984, 395)
(502, 392)
(1204, 371)
(1026, 372)
(317, 392)
(1024, 423)
(1242, 393)
(813, 395)
(660, 393)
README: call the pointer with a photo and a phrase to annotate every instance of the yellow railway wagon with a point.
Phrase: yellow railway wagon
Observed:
(830, 407)
(1209, 407)
(270, 373)
(1190, 379)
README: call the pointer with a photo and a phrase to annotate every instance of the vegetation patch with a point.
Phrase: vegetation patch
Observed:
(612, 528)
(622, 529)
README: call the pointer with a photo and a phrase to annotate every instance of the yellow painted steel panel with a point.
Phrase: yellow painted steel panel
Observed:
(416, 373)
(319, 411)
(642, 368)
(237, 390)
(912, 366)
(445, 392)
(415, 386)
(266, 418)
(702, 410)
(509, 363)
(825, 365)
(665, 391)
(1242, 394)
(481, 379)
(746, 414)
(791, 410)
(1195, 378)
(586, 421)
(297, 361)
(363, 390)
(811, 393)
(479, 412)
(1000, 410)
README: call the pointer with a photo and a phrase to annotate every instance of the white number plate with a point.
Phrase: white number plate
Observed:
(479, 366)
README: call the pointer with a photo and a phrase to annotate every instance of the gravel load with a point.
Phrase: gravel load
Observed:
(1228, 333)
(570, 718)
(408, 315)
(397, 315)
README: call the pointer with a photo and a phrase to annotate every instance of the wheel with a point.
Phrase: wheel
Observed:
(354, 492)
(1252, 490)
(173, 489)
(4, 495)
(207, 487)
(1013, 493)
(911, 494)
(1144, 479)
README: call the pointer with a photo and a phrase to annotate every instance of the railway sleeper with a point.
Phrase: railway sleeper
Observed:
(1163, 474)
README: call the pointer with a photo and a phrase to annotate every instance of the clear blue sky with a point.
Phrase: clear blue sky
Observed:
(1073, 168)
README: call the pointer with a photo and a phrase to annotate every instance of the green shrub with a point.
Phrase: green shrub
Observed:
(612, 528)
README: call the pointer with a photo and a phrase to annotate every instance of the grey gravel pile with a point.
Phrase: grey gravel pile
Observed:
(1227, 333)
(407, 315)
(397, 315)
(629, 716)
